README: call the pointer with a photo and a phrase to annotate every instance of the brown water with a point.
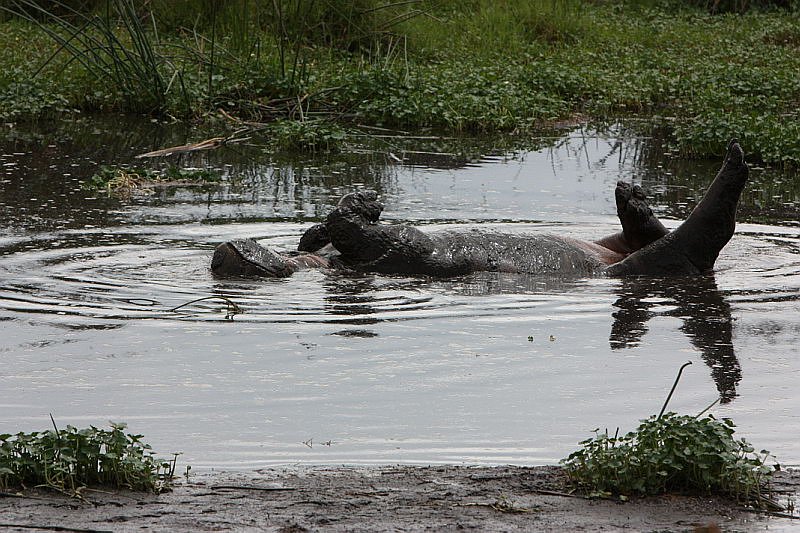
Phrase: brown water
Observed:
(332, 368)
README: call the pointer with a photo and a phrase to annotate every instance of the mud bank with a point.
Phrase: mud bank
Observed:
(400, 498)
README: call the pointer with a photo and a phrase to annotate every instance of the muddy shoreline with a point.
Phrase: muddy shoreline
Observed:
(387, 498)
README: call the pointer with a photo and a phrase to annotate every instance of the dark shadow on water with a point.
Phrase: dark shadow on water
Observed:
(352, 300)
(361, 333)
(706, 316)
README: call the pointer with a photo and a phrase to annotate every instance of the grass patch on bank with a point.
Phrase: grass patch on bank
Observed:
(476, 66)
(672, 453)
(71, 459)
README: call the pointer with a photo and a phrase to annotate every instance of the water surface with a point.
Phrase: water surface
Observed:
(330, 367)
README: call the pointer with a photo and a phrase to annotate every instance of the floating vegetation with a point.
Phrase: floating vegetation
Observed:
(71, 459)
(125, 181)
(673, 453)
(307, 135)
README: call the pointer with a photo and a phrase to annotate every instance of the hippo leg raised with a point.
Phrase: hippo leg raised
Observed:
(386, 248)
(694, 246)
(315, 238)
(365, 203)
(640, 226)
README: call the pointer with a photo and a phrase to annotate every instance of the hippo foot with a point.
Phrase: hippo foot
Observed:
(639, 225)
(248, 258)
(315, 238)
(363, 204)
(734, 166)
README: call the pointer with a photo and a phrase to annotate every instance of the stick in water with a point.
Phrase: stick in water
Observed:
(677, 379)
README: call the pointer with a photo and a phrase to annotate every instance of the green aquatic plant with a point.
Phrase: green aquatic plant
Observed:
(28, 98)
(673, 453)
(741, 6)
(121, 180)
(307, 135)
(70, 459)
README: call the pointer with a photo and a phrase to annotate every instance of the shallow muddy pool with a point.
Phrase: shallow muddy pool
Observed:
(329, 367)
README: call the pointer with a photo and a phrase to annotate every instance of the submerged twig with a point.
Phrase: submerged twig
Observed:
(500, 506)
(232, 307)
(704, 411)
(20, 495)
(674, 385)
(561, 494)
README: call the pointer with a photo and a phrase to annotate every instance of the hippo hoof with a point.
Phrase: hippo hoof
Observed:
(639, 225)
(314, 238)
(735, 154)
(364, 203)
(632, 204)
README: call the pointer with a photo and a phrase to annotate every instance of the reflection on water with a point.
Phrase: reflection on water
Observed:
(489, 368)
(706, 317)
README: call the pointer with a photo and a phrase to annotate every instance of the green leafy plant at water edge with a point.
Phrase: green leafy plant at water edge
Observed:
(19, 99)
(72, 458)
(447, 65)
(674, 453)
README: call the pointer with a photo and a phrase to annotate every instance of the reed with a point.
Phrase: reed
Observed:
(115, 46)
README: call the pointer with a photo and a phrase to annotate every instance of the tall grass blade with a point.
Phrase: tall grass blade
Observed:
(116, 48)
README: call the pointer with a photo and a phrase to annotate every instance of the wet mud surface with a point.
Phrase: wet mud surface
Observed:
(389, 498)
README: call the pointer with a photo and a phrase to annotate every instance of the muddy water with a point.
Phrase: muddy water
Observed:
(339, 368)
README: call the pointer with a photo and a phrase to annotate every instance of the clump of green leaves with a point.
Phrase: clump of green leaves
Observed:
(29, 99)
(674, 453)
(122, 180)
(72, 458)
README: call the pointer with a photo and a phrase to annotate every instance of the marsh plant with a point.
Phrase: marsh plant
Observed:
(455, 66)
(70, 459)
(673, 453)
(117, 46)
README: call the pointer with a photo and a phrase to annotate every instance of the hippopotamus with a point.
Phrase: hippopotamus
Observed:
(352, 238)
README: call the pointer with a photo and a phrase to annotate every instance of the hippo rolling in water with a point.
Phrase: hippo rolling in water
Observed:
(351, 238)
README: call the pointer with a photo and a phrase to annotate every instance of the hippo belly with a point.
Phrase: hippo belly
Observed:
(451, 252)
